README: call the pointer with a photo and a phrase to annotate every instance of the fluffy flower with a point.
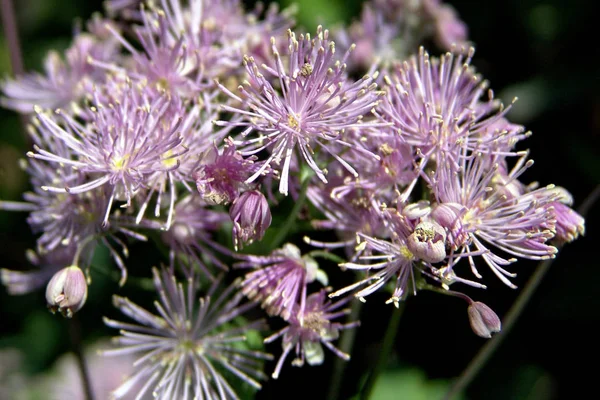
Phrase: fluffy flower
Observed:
(479, 211)
(311, 329)
(183, 347)
(130, 139)
(281, 283)
(315, 108)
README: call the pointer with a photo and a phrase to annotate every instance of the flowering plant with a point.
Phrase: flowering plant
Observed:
(256, 161)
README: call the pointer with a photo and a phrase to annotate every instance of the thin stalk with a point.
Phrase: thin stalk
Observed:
(9, 22)
(291, 219)
(486, 351)
(11, 32)
(386, 347)
(346, 344)
(76, 343)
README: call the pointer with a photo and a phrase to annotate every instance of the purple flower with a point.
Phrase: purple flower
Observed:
(392, 260)
(478, 211)
(311, 328)
(130, 139)
(221, 177)
(315, 108)
(251, 217)
(62, 82)
(183, 348)
(282, 282)
(436, 105)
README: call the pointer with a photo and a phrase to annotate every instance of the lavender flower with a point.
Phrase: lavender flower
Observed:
(123, 148)
(477, 211)
(315, 108)
(221, 177)
(435, 105)
(281, 283)
(392, 260)
(62, 82)
(311, 328)
(184, 347)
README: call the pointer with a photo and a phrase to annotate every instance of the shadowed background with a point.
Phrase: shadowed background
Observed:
(536, 50)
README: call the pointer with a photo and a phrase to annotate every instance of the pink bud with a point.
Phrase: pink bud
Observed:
(67, 291)
(251, 217)
(483, 319)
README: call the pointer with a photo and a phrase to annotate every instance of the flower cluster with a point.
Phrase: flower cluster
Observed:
(193, 125)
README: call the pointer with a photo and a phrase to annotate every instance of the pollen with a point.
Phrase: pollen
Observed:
(293, 122)
(306, 70)
(406, 253)
(119, 163)
(169, 161)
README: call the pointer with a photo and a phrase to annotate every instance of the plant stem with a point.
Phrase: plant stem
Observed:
(9, 21)
(76, 343)
(346, 345)
(486, 351)
(291, 219)
(386, 347)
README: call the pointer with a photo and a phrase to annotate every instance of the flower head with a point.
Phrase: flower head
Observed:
(184, 347)
(130, 139)
(282, 282)
(310, 329)
(314, 108)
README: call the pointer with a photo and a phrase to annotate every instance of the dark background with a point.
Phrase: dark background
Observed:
(546, 53)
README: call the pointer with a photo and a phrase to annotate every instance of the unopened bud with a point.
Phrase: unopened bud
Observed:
(251, 217)
(67, 291)
(483, 319)
(428, 242)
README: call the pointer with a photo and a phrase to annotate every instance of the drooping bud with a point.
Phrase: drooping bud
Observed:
(483, 319)
(67, 291)
(428, 242)
(251, 217)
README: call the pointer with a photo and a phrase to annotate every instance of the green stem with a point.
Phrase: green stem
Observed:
(76, 343)
(485, 353)
(346, 345)
(327, 256)
(291, 219)
(386, 347)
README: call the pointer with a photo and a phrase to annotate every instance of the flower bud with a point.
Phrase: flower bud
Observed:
(428, 242)
(67, 291)
(483, 319)
(251, 217)
(569, 224)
